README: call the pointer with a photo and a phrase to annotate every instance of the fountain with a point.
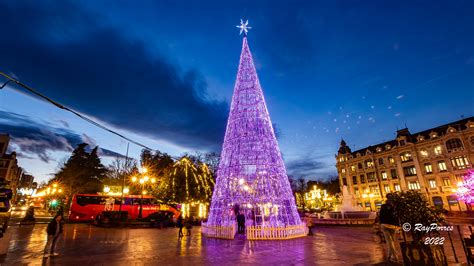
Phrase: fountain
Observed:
(348, 212)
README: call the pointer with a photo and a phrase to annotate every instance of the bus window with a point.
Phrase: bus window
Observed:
(86, 200)
(128, 201)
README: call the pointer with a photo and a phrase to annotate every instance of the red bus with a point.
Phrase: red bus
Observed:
(85, 207)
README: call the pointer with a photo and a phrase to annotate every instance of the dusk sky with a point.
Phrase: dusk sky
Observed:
(162, 73)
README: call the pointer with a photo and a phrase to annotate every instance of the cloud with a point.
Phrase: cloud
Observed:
(400, 97)
(304, 168)
(35, 139)
(69, 54)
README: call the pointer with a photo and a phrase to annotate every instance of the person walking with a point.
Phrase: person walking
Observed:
(54, 229)
(239, 223)
(180, 226)
(389, 225)
(189, 226)
(309, 223)
(243, 223)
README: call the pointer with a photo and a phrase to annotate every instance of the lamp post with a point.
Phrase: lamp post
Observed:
(143, 180)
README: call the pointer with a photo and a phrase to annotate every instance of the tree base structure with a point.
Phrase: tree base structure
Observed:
(255, 232)
(219, 231)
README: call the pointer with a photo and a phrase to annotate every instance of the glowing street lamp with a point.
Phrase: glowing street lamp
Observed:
(144, 180)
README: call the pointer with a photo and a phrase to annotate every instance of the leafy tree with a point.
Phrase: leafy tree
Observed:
(413, 208)
(83, 172)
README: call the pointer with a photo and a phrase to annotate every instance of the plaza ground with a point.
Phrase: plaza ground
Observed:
(83, 244)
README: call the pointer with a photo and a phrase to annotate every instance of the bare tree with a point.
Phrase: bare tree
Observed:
(120, 168)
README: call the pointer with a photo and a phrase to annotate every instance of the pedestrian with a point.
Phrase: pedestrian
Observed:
(389, 225)
(180, 226)
(54, 229)
(243, 223)
(309, 223)
(240, 223)
(189, 226)
(378, 229)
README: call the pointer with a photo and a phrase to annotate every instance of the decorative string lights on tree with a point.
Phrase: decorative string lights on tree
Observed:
(251, 177)
(197, 180)
(465, 190)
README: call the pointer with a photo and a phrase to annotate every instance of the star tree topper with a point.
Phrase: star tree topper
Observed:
(244, 27)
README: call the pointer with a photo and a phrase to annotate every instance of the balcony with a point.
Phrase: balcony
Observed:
(447, 189)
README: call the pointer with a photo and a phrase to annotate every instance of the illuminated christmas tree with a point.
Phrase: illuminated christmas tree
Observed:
(465, 190)
(251, 177)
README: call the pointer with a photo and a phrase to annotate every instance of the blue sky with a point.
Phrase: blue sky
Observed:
(162, 72)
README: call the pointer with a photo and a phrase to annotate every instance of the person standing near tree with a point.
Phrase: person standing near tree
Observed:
(180, 226)
(55, 228)
(389, 225)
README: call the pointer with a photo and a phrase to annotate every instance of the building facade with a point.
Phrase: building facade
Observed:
(10, 173)
(432, 162)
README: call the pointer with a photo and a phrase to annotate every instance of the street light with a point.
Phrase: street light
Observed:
(143, 181)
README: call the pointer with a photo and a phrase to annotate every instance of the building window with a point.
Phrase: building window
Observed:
(414, 185)
(384, 175)
(371, 177)
(375, 189)
(454, 145)
(369, 163)
(438, 202)
(405, 157)
(396, 187)
(344, 181)
(446, 182)
(438, 150)
(460, 162)
(428, 168)
(356, 192)
(359, 165)
(424, 153)
(391, 160)
(343, 170)
(402, 142)
(353, 168)
(442, 166)
(362, 179)
(409, 170)
(452, 200)
(459, 178)
(393, 173)
(387, 188)
(380, 161)
(354, 180)
(433, 183)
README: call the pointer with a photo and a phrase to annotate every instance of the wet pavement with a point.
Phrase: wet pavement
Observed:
(83, 244)
(41, 216)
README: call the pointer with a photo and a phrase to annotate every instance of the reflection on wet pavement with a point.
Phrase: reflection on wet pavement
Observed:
(85, 244)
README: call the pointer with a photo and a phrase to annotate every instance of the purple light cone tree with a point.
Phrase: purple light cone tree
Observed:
(251, 176)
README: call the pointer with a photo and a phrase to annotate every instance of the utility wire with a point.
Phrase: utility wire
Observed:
(83, 117)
